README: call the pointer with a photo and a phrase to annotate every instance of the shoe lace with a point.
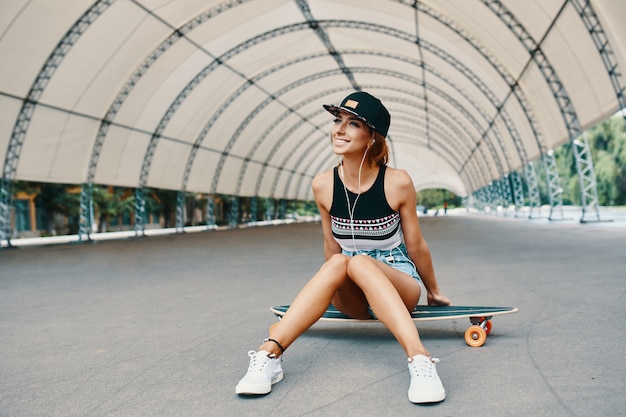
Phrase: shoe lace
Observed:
(258, 361)
(423, 367)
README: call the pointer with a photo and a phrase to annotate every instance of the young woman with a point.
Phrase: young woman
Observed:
(373, 248)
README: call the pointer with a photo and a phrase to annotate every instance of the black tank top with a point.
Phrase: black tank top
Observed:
(375, 225)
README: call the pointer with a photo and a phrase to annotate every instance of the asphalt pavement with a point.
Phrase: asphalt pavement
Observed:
(161, 326)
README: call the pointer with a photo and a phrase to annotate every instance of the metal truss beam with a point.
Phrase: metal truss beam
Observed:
(589, 193)
(210, 211)
(601, 41)
(180, 211)
(534, 199)
(518, 191)
(233, 215)
(459, 66)
(29, 105)
(133, 80)
(555, 190)
(304, 8)
(290, 28)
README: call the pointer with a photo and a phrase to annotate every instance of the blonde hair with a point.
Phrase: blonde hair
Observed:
(378, 154)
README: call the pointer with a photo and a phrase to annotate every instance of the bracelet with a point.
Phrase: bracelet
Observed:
(269, 339)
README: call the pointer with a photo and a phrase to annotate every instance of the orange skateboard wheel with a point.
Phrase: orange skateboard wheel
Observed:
(272, 327)
(475, 336)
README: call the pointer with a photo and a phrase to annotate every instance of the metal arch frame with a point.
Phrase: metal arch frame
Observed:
(313, 23)
(476, 168)
(518, 195)
(246, 45)
(283, 137)
(397, 75)
(220, 61)
(258, 108)
(235, 137)
(601, 41)
(432, 146)
(555, 190)
(300, 59)
(483, 88)
(316, 141)
(418, 42)
(471, 181)
(529, 169)
(490, 127)
(28, 108)
(584, 164)
(508, 78)
(479, 168)
(133, 80)
(518, 94)
(214, 117)
(299, 185)
(191, 85)
(311, 56)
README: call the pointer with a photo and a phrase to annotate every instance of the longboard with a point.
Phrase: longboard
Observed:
(475, 335)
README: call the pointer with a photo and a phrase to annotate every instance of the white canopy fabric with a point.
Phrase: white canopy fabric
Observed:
(226, 96)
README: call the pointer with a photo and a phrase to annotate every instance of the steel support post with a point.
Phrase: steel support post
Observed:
(140, 208)
(233, 217)
(86, 212)
(518, 192)
(587, 178)
(555, 191)
(6, 210)
(180, 211)
(210, 211)
(534, 199)
(506, 193)
(253, 209)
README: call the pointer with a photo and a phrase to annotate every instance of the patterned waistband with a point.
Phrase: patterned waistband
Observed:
(376, 253)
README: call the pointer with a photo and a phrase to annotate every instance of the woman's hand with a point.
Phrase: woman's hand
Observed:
(438, 299)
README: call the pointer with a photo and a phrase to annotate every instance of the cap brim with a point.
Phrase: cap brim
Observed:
(334, 110)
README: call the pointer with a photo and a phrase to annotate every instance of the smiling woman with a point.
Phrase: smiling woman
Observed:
(375, 253)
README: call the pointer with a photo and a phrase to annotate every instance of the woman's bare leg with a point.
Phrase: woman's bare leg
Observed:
(385, 300)
(309, 304)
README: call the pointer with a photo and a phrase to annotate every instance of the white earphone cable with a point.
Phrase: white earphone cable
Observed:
(345, 190)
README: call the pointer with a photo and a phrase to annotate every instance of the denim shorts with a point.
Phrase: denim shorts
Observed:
(396, 258)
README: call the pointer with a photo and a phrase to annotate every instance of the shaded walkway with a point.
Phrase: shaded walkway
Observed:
(161, 326)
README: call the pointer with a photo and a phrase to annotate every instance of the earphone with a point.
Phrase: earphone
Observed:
(345, 190)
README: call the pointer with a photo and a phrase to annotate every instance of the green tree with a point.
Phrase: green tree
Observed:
(55, 199)
(435, 197)
(167, 204)
(607, 142)
(111, 202)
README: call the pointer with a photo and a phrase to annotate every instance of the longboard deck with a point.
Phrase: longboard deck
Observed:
(421, 313)
(475, 336)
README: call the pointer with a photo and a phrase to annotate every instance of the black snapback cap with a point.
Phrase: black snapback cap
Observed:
(367, 108)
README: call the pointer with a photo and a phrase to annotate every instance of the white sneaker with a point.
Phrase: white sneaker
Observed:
(262, 373)
(426, 387)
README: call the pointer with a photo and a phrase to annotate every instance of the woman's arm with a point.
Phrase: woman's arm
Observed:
(401, 194)
(323, 192)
